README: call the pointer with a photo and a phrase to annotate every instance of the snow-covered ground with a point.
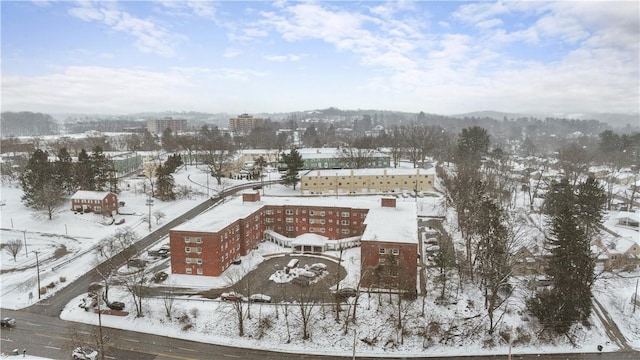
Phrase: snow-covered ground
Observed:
(462, 321)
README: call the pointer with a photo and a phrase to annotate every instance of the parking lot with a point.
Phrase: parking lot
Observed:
(259, 283)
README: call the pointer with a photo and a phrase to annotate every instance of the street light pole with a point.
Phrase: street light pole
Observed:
(149, 204)
(38, 269)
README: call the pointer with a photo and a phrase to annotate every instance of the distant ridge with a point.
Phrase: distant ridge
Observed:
(617, 120)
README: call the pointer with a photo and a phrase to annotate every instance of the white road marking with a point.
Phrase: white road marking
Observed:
(52, 347)
(132, 340)
(229, 355)
(187, 349)
(9, 340)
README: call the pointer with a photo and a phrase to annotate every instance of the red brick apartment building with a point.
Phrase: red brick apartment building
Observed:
(207, 245)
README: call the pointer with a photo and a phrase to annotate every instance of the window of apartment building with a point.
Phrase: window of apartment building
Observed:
(187, 249)
(344, 222)
(238, 247)
(268, 212)
(188, 271)
(199, 261)
(345, 231)
(187, 260)
(393, 272)
(199, 250)
(289, 220)
(289, 228)
(199, 271)
(289, 212)
(198, 240)
(382, 251)
(187, 239)
(268, 220)
(345, 214)
(395, 251)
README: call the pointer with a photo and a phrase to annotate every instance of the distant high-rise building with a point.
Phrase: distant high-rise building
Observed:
(157, 126)
(244, 123)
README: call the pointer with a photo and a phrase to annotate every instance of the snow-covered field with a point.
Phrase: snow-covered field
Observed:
(64, 245)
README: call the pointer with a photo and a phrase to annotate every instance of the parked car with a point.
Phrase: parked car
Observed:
(116, 305)
(119, 221)
(84, 353)
(307, 274)
(260, 298)
(237, 261)
(300, 280)
(160, 277)
(8, 322)
(346, 292)
(139, 263)
(232, 296)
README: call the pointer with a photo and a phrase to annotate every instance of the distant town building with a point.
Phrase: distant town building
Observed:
(368, 181)
(244, 123)
(157, 126)
(333, 158)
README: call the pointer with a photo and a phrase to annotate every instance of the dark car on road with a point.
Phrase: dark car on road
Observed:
(8, 322)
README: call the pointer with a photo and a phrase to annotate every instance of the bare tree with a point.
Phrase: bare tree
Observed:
(13, 247)
(137, 284)
(235, 279)
(358, 154)
(159, 215)
(168, 299)
(574, 160)
(219, 150)
(111, 251)
(306, 300)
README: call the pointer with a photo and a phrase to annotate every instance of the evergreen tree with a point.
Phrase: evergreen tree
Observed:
(42, 191)
(294, 163)
(34, 177)
(102, 169)
(574, 214)
(169, 142)
(164, 184)
(84, 177)
(173, 163)
(64, 171)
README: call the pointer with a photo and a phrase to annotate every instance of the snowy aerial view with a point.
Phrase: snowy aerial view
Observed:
(182, 305)
(320, 180)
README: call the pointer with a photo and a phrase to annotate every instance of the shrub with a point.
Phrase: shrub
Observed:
(63, 279)
(51, 285)
(43, 290)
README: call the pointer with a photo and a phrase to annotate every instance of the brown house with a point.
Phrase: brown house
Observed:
(100, 202)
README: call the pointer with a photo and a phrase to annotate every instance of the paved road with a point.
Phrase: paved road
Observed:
(54, 338)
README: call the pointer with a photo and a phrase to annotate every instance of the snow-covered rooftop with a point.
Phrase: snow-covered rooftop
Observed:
(383, 223)
(365, 172)
(89, 195)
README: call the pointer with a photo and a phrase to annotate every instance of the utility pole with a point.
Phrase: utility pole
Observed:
(100, 328)
(149, 203)
(26, 252)
(38, 269)
(635, 301)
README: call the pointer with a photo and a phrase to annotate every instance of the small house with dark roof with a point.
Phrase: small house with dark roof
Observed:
(100, 202)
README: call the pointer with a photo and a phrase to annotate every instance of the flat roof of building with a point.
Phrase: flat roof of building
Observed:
(372, 171)
(388, 224)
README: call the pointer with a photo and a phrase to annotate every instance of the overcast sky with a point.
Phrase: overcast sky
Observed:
(236, 57)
